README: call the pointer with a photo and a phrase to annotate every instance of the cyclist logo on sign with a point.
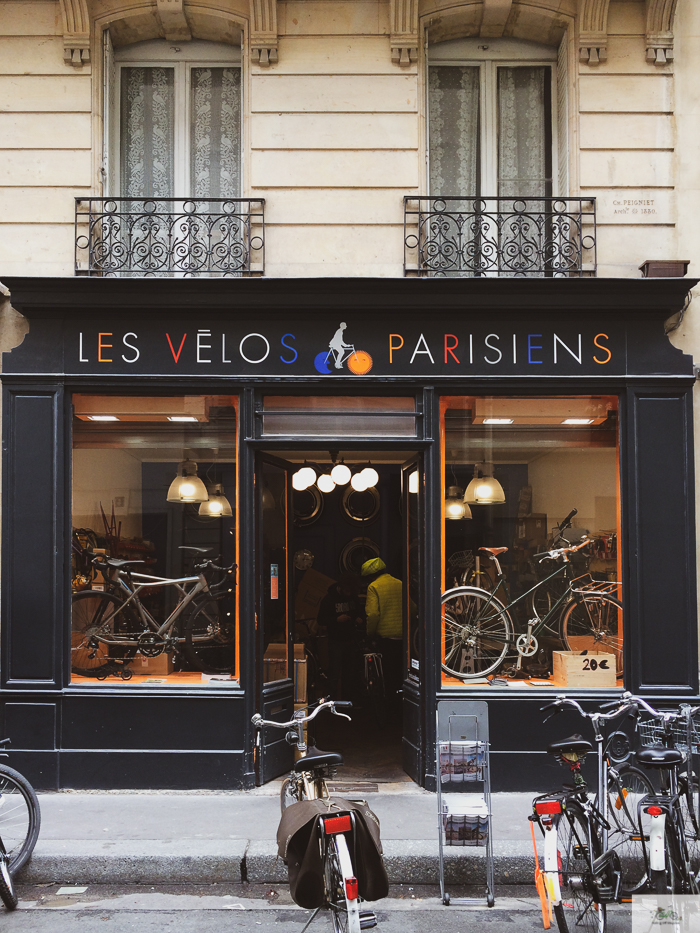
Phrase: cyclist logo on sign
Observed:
(340, 353)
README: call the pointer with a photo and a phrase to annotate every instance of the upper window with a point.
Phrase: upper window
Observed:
(175, 120)
(493, 119)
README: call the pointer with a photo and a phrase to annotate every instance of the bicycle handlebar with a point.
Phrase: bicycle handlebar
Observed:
(563, 551)
(626, 702)
(259, 722)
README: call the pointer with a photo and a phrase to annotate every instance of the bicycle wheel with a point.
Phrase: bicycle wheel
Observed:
(20, 817)
(690, 804)
(580, 908)
(627, 786)
(7, 887)
(593, 623)
(478, 632)
(210, 639)
(92, 614)
(670, 880)
(479, 579)
(345, 913)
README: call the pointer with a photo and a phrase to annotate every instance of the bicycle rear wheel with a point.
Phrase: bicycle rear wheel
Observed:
(8, 894)
(690, 804)
(210, 639)
(478, 633)
(345, 912)
(580, 909)
(98, 614)
(20, 817)
(627, 786)
(593, 623)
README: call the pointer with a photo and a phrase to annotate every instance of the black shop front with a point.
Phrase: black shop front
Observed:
(291, 430)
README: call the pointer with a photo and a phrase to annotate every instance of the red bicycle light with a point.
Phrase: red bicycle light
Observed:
(654, 811)
(351, 889)
(544, 807)
(337, 824)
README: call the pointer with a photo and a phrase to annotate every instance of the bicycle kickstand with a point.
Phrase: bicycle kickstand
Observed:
(308, 922)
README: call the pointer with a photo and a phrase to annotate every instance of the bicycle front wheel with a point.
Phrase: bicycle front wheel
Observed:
(20, 817)
(210, 639)
(345, 911)
(690, 812)
(8, 894)
(97, 615)
(580, 909)
(627, 786)
(593, 623)
(478, 632)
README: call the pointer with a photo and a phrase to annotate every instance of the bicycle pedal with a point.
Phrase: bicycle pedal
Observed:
(368, 919)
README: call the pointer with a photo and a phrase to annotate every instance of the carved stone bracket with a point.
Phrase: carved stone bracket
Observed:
(76, 31)
(593, 31)
(404, 32)
(171, 14)
(263, 31)
(660, 14)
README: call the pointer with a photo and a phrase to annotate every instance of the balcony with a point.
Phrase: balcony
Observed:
(178, 237)
(467, 236)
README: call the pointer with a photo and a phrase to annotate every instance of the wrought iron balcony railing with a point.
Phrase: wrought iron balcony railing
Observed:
(467, 236)
(169, 236)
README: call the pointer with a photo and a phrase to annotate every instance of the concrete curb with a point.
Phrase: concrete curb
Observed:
(204, 862)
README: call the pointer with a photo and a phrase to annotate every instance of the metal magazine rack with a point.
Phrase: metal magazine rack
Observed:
(464, 787)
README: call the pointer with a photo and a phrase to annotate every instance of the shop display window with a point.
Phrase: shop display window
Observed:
(525, 478)
(154, 482)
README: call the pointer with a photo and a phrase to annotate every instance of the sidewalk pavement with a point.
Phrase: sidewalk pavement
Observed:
(202, 837)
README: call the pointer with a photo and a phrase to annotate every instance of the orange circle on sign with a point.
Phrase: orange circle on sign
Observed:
(360, 362)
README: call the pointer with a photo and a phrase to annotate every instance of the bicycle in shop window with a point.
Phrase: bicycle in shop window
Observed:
(479, 633)
(20, 820)
(108, 629)
(593, 845)
(338, 864)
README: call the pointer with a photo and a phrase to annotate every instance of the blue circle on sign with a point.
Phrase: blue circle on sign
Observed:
(321, 364)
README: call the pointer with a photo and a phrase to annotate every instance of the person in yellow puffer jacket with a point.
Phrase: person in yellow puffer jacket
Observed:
(384, 611)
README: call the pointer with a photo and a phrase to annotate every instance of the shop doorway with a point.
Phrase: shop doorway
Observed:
(317, 619)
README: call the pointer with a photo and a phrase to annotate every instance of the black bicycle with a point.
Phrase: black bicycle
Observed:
(20, 819)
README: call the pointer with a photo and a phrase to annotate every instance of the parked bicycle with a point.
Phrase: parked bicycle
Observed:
(338, 824)
(109, 628)
(479, 632)
(670, 819)
(20, 819)
(543, 598)
(593, 850)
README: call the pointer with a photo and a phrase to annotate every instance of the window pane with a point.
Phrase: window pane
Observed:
(147, 132)
(524, 135)
(515, 470)
(154, 479)
(215, 132)
(454, 131)
(338, 415)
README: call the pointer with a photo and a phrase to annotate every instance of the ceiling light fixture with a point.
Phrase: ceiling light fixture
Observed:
(484, 489)
(217, 505)
(187, 486)
(182, 418)
(371, 476)
(102, 418)
(325, 482)
(498, 420)
(578, 421)
(340, 474)
(304, 477)
(358, 481)
(413, 482)
(455, 508)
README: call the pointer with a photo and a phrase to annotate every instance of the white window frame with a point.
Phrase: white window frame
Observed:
(182, 57)
(488, 55)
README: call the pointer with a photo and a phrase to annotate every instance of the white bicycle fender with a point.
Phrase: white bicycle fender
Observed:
(657, 851)
(551, 863)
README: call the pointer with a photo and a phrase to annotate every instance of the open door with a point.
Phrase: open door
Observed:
(274, 610)
(412, 495)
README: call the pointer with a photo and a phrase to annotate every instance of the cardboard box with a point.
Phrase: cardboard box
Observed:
(160, 666)
(572, 669)
(313, 586)
(275, 668)
(531, 531)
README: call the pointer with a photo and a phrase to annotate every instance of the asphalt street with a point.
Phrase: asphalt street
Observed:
(255, 909)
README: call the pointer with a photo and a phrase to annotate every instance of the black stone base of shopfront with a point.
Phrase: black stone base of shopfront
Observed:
(423, 338)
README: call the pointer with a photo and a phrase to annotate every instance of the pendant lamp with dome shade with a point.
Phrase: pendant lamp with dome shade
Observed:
(187, 486)
(484, 489)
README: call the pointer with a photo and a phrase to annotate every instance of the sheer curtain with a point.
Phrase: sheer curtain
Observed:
(215, 120)
(522, 133)
(454, 131)
(147, 132)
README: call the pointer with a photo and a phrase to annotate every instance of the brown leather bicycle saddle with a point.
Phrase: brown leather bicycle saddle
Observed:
(658, 756)
(315, 758)
(494, 550)
(574, 743)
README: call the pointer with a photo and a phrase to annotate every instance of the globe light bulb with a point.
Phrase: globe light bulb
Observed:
(307, 475)
(358, 482)
(371, 476)
(299, 482)
(325, 482)
(187, 490)
(340, 474)
(413, 482)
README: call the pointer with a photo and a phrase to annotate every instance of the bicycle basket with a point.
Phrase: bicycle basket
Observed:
(460, 561)
(652, 732)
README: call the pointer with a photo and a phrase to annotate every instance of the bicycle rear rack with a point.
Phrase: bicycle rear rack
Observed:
(586, 584)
